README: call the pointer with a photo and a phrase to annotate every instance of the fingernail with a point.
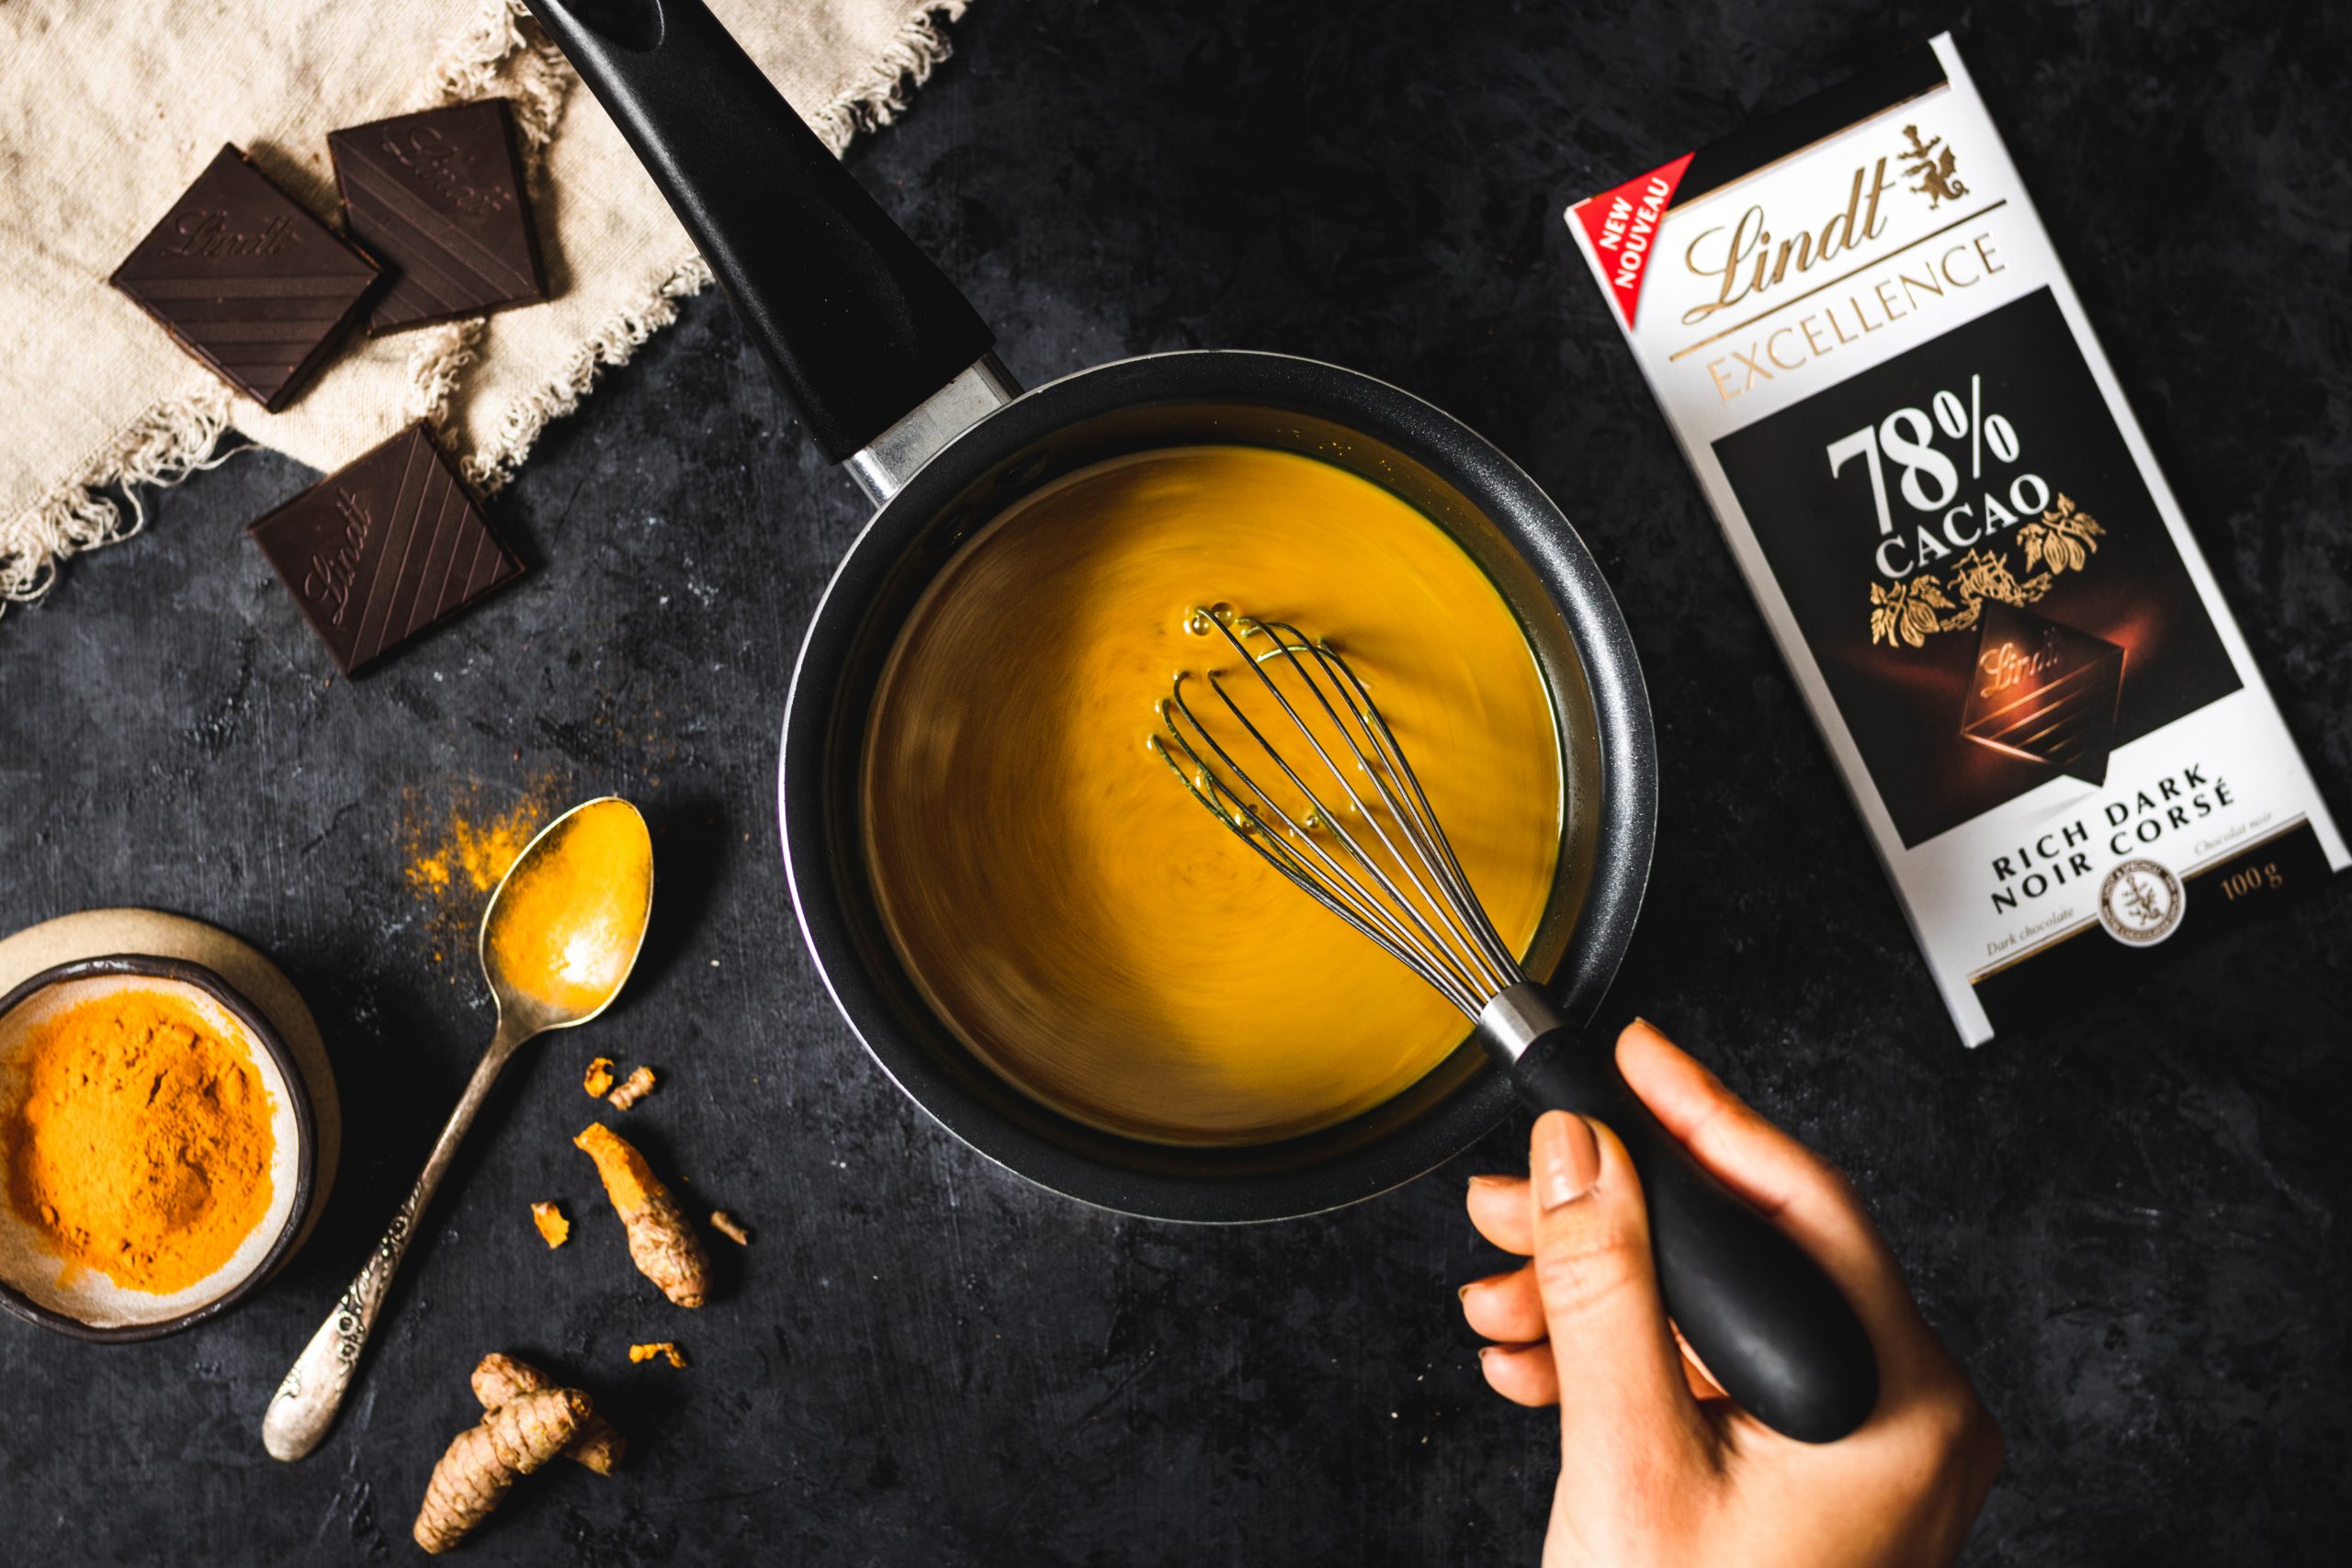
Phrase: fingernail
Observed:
(1465, 1292)
(1566, 1160)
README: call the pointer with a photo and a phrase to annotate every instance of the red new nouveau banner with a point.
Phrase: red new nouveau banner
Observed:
(1622, 223)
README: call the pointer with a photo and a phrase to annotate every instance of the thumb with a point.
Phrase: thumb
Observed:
(1623, 1397)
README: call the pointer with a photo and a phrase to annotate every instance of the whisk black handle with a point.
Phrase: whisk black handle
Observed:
(1776, 1333)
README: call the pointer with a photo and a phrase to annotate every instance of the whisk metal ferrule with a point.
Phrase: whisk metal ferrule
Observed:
(1517, 1017)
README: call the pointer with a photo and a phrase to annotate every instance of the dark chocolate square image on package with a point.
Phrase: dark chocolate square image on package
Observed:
(384, 547)
(2044, 690)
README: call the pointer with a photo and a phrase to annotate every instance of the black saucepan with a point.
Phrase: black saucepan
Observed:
(892, 372)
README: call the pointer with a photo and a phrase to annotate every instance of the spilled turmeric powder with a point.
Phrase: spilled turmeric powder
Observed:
(468, 851)
(457, 839)
(142, 1146)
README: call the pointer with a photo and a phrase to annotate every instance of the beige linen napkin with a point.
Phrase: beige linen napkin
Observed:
(109, 107)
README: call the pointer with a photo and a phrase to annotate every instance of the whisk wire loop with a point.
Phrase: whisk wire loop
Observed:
(1419, 826)
(1332, 892)
(1412, 899)
(1337, 822)
(1315, 869)
(1405, 800)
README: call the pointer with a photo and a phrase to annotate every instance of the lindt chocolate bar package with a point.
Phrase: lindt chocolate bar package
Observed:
(1854, 321)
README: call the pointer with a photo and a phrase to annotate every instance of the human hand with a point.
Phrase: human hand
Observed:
(1656, 1467)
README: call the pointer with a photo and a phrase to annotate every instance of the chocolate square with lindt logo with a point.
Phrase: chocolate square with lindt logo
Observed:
(379, 550)
(2044, 690)
(438, 196)
(246, 280)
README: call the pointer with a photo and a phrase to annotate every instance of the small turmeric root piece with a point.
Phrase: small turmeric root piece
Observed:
(731, 1227)
(482, 1463)
(599, 1081)
(554, 1229)
(667, 1347)
(634, 1088)
(502, 1379)
(661, 1240)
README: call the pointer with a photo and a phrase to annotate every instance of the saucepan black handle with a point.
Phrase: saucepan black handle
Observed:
(860, 326)
(1771, 1328)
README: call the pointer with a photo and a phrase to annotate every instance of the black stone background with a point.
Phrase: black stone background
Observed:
(2128, 1221)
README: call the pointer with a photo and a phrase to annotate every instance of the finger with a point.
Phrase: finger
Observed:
(1499, 1208)
(1525, 1375)
(1510, 1308)
(1786, 1181)
(1629, 1403)
(1505, 1306)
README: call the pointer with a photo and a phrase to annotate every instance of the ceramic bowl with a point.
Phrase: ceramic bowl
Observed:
(35, 1284)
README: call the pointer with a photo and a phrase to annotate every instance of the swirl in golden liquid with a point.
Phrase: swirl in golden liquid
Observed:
(1083, 925)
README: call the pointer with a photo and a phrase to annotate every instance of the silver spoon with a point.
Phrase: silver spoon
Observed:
(601, 949)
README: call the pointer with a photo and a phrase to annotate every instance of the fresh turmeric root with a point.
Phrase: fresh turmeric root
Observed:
(502, 1379)
(474, 1474)
(662, 1241)
(634, 1088)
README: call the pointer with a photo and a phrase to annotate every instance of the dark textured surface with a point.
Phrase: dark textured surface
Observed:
(2128, 1221)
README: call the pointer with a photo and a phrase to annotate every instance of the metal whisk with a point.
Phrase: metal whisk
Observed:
(1319, 787)
(1353, 829)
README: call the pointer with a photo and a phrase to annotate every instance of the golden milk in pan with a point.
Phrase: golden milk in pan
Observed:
(1083, 925)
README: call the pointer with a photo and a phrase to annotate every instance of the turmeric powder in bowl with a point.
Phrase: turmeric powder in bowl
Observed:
(140, 1142)
(157, 1148)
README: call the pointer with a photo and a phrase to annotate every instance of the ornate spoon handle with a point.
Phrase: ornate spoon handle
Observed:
(304, 1407)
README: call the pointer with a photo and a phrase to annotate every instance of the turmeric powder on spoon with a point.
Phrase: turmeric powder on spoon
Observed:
(569, 922)
(141, 1146)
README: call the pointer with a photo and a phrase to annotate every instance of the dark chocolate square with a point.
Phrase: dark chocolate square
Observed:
(438, 196)
(2042, 690)
(246, 280)
(384, 547)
